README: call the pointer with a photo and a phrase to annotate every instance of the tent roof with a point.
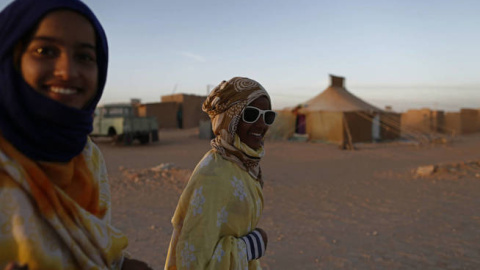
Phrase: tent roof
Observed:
(337, 98)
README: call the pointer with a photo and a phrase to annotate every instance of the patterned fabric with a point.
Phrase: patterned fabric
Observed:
(220, 204)
(42, 128)
(57, 216)
(225, 105)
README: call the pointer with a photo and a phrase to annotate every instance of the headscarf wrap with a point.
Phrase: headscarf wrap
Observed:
(42, 128)
(225, 106)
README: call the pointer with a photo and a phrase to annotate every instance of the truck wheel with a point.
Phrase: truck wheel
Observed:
(144, 138)
(127, 139)
(112, 132)
(154, 134)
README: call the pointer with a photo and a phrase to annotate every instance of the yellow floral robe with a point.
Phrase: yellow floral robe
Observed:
(60, 225)
(220, 203)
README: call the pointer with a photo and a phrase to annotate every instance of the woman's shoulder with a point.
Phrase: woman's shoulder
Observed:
(92, 153)
(213, 164)
(214, 171)
(91, 148)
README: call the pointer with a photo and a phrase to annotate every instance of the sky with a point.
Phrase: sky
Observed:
(406, 54)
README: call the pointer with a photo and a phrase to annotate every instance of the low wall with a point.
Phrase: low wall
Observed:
(165, 112)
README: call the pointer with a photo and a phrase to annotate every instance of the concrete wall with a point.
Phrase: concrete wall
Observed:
(172, 98)
(453, 124)
(192, 111)
(469, 121)
(466, 121)
(417, 121)
(190, 107)
(423, 121)
(438, 121)
(165, 112)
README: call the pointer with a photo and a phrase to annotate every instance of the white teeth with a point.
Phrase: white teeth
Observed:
(256, 134)
(63, 91)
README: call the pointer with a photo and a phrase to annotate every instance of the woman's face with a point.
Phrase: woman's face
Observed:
(60, 60)
(252, 134)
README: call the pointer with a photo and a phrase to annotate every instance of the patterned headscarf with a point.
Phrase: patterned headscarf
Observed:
(225, 105)
(42, 128)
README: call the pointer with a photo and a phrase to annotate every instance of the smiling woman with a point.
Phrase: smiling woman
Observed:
(215, 223)
(54, 189)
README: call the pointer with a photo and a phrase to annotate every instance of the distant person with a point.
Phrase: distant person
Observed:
(180, 117)
(54, 191)
(215, 223)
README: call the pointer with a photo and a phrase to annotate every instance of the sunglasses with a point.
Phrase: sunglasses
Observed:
(251, 114)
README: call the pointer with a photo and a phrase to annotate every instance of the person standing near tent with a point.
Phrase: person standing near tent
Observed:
(54, 191)
(215, 223)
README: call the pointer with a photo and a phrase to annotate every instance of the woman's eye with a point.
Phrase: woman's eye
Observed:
(45, 51)
(86, 57)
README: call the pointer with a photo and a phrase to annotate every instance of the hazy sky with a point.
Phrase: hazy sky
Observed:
(404, 53)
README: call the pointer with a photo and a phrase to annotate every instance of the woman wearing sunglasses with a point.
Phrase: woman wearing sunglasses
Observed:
(215, 223)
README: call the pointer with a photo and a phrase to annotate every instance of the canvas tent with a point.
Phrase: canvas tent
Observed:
(336, 115)
(336, 98)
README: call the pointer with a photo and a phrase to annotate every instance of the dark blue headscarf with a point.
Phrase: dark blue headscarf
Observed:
(39, 127)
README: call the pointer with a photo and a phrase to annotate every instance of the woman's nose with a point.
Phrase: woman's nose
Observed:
(65, 67)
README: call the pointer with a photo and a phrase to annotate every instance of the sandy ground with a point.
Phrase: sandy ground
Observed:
(325, 208)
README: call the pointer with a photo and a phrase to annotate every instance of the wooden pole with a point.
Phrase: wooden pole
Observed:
(349, 135)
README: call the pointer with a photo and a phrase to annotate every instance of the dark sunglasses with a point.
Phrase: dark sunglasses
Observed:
(251, 115)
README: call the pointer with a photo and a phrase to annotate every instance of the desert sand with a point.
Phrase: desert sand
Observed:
(325, 208)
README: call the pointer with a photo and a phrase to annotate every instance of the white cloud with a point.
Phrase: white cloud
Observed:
(193, 56)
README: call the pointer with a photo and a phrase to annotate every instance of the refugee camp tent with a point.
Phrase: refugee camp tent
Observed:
(336, 98)
(336, 115)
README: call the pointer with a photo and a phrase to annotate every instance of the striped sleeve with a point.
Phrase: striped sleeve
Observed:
(255, 245)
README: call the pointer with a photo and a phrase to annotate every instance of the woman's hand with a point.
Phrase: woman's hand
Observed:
(132, 264)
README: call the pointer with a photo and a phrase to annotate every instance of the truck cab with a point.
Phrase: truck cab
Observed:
(119, 122)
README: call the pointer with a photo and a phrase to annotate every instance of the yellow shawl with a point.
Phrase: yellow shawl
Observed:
(220, 203)
(57, 215)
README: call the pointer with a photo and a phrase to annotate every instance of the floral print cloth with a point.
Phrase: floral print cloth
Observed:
(49, 221)
(221, 203)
